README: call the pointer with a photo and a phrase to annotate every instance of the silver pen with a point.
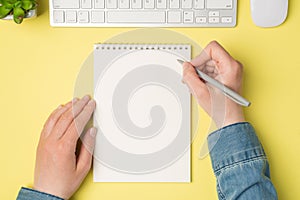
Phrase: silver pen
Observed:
(227, 91)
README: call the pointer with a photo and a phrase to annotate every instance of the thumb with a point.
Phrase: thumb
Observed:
(197, 87)
(86, 151)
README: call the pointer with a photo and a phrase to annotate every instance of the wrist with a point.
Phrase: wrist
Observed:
(50, 191)
(233, 114)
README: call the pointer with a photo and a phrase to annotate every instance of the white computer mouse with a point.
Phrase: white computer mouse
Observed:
(269, 13)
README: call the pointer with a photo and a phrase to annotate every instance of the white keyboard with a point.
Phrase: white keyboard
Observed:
(143, 13)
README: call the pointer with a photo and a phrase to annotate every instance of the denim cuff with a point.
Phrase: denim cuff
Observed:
(234, 144)
(30, 194)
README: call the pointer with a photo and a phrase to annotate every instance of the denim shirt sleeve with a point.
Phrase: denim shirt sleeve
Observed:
(29, 194)
(240, 164)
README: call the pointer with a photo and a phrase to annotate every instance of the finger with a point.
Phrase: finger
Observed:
(211, 63)
(212, 74)
(209, 69)
(67, 118)
(75, 129)
(54, 117)
(213, 51)
(197, 87)
(200, 67)
(84, 160)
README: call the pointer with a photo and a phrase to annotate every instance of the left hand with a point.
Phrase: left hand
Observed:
(59, 171)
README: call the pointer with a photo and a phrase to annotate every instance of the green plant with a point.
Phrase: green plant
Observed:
(17, 8)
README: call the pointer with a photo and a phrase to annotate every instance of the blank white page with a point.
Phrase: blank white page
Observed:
(142, 114)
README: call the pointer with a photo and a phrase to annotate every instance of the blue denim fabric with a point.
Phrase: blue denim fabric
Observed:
(29, 194)
(240, 164)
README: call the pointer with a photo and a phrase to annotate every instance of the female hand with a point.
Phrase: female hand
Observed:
(59, 171)
(217, 63)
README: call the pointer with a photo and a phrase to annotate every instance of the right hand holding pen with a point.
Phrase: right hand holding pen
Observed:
(218, 64)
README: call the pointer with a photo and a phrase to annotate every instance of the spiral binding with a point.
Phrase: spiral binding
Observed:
(131, 47)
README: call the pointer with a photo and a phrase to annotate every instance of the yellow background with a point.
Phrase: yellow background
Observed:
(39, 65)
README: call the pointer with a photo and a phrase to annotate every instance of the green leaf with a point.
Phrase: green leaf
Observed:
(10, 1)
(6, 4)
(18, 4)
(9, 6)
(27, 5)
(4, 11)
(19, 14)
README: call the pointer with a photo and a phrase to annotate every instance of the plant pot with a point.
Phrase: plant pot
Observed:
(29, 14)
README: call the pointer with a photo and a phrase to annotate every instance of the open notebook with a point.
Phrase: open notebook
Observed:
(142, 114)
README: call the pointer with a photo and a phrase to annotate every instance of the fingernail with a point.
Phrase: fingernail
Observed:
(93, 132)
(91, 102)
(86, 97)
(75, 100)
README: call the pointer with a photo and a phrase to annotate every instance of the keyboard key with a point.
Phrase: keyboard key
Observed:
(161, 4)
(219, 4)
(111, 4)
(136, 4)
(214, 14)
(58, 16)
(226, 20)
(83, 16)
(136, 17)
(99, 3)
(65, 4)
(187, 4)
(86, 4)
(97, 17)
(149, 4)
(71, 16)
(188, 17)
(200, 20)
(144, 13)
(174, 16)
(198, 4)
(214, 20)
(124, 4)
(174, 4)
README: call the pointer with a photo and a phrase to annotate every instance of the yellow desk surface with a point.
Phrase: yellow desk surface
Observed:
(39, 65)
